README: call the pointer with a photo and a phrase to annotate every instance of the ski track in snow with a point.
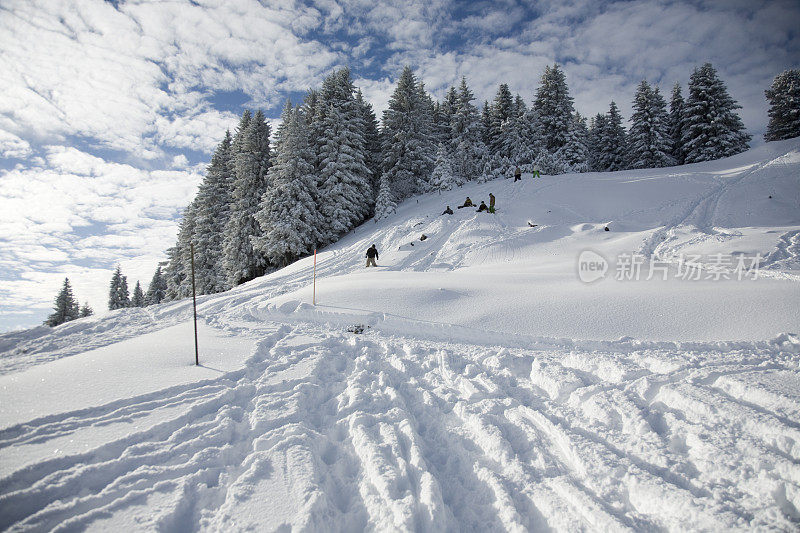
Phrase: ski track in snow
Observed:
(384, 432)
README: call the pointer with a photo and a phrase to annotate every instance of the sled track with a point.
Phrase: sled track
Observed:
(786, 254)
(699, 213)
(380, 432)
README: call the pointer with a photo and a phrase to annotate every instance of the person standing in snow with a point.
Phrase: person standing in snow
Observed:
(491, 203)
(517, 174)
(447, 211)
(536, 173)
(372, 255)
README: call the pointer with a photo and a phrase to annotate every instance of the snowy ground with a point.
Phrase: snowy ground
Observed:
(493, 390)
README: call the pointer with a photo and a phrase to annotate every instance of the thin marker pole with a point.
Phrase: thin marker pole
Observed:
(194, 308)
(314, 297)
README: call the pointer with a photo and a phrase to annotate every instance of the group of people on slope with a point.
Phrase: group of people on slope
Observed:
(372, 251)
(468, 203)
(518, 174)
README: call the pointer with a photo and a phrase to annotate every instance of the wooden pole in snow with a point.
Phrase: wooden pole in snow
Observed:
(194, 308)
(314, 297)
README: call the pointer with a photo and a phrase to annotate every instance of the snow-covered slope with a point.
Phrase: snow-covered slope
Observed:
(492, 389)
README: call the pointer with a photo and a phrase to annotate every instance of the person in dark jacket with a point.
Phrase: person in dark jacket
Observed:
(467, 203)
(491, 203)
(517, 174)
(447, 211)
(372, 255)
(483, 207)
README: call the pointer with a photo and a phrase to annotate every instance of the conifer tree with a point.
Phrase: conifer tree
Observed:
(520, 108)
(649, 140)
(238, 139)
(86, 310)
(288, 212)
(251, 163)
(212, 212)
(137, 300)
(372, 140)
(385, 204)
(408, 152)
(711, 127)
(594, 142)
(343, 179)
(178, 270)
(554, 106)
(448, 109)
(612, 143)
(502, 110)
(442, 178)
(784, 106)
(486, 124)
(118, 295)
(468, 151)
(66, 307)
(676, 124)
(575, 153)
(440, 125)
(174, 274)
(157, 290)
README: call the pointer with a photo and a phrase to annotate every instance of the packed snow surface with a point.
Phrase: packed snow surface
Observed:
(491, 388)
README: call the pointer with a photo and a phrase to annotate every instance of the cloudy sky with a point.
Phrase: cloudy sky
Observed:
(109, 110)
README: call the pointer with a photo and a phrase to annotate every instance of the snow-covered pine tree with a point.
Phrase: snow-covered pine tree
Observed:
(372, 138)
(86, 310)
(784, 106)
(157, 290)
(575, 153)
(137, 300)
(251, 163)
(213, 205)
(174, 275)
(550, 164)
(711, 127)
(520, 107)
(309, 108)
(385, 204)
(467, 148)
(612, 149)
(289, 216)
(427, 104)
(178, 270)
(486, 123)
(520, 146)
(440, 125)
(408, 150)
(66, 307)
(595, 142)
(676, 124)
(554, 106)
(343, 179)
(502, 110)
(118, 295)
(442, 178)
(649, 142)
(238, 138)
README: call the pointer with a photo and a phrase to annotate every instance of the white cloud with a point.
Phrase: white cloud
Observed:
(13, 146)
(120, 76)
(79, 215)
